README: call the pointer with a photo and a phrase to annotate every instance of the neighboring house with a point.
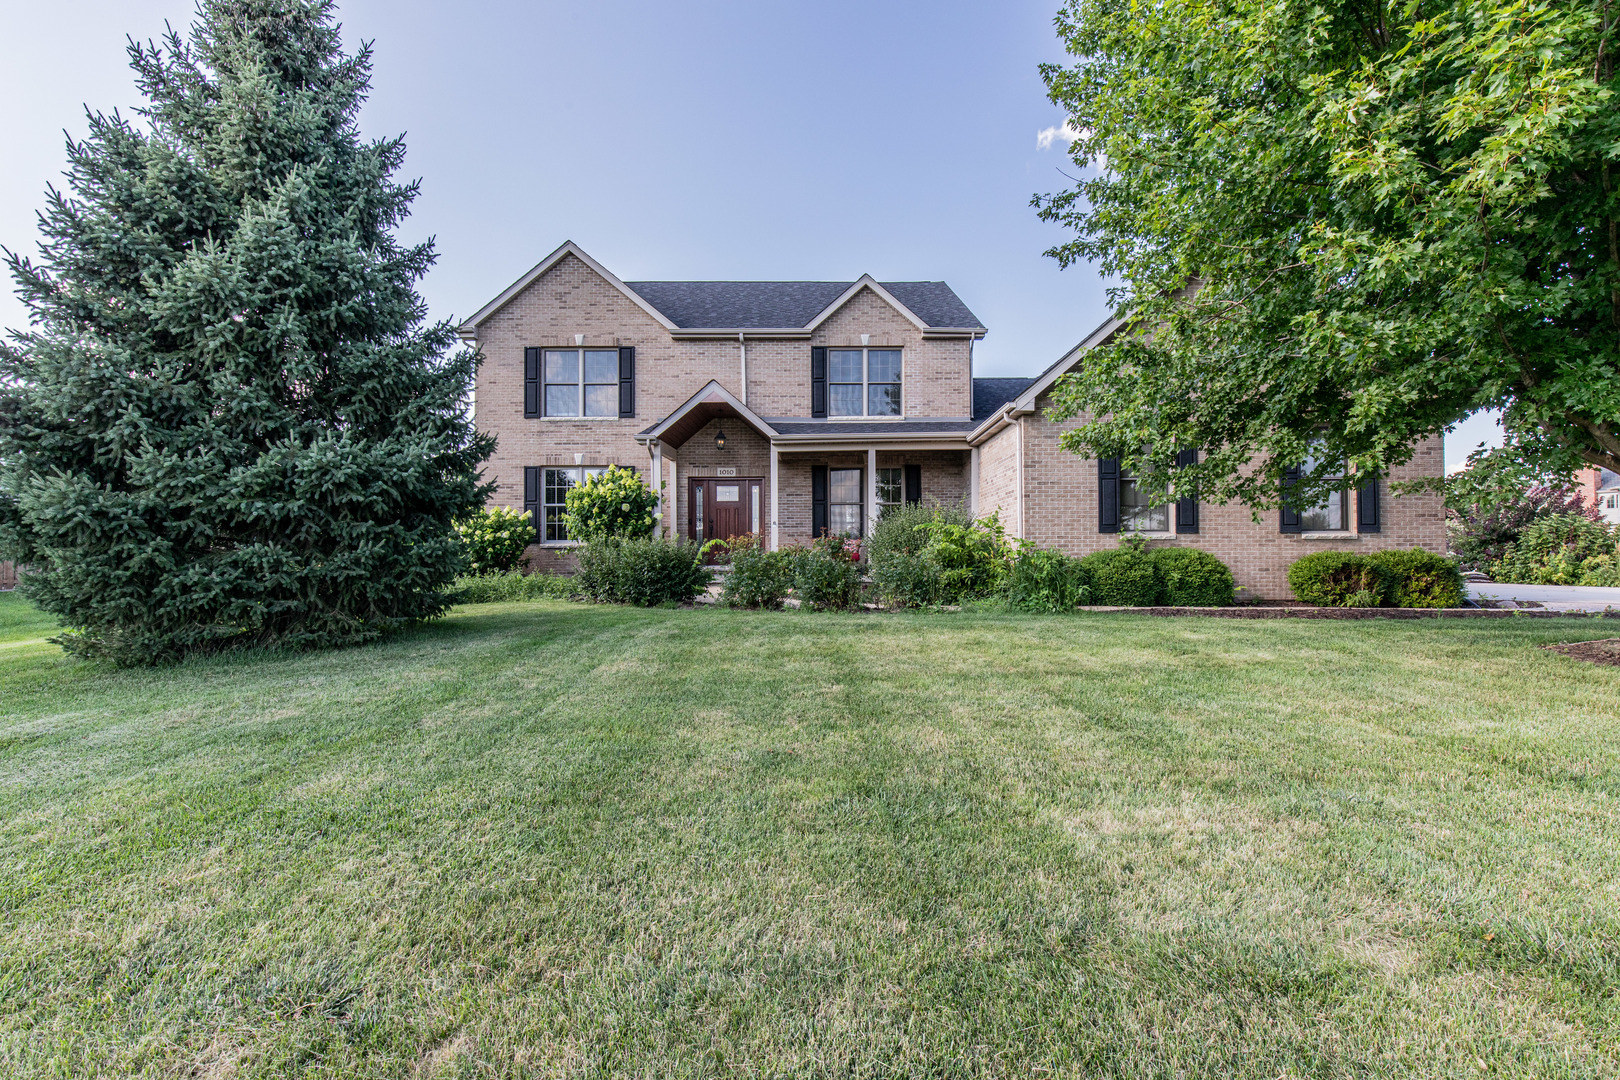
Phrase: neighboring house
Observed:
(792, 408)
(1601, 488)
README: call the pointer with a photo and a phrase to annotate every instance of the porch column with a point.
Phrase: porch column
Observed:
(674, 499)
(776, 501)
(656, 449)
(871, 490)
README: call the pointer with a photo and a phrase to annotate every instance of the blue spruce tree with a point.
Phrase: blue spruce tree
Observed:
(230, 423)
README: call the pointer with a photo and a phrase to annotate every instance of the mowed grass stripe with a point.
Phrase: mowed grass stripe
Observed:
(549, 839)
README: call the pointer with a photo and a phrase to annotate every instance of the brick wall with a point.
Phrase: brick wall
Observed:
(571, 299)
(944, 480)
(1060, 500)
(998, 478)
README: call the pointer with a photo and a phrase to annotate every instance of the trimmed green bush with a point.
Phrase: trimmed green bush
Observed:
(612, 503)
(1194, 578)
(1341, 579)
(758, 578)
(1126, 576)
(645, 572)
(494, 539)
(827, 575)
(1422, 579)
(501, 588)
(907, 579)
(1044, 579)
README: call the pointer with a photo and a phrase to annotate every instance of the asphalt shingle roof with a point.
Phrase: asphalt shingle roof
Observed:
(991, 394)
(759, 305)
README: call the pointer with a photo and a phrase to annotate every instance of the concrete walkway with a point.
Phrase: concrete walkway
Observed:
(1553, 597)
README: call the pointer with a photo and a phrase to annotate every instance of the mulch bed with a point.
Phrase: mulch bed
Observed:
(1603, 651)
(1305, 611)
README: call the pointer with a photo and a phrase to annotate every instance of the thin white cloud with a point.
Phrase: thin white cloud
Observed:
(1045, 137)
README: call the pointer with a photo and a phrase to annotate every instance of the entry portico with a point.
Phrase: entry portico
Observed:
(810, 476)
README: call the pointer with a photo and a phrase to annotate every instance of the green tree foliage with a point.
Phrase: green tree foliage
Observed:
(229, 423)
(493, 540)
(611, 503)
(1360, 220)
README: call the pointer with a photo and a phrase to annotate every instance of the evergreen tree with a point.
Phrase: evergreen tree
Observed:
(229, 423)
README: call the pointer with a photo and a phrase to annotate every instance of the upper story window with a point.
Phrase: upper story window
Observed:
(582, 382)
(863, 382)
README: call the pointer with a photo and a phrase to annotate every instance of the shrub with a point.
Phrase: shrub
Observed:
(642, 571)
(1479, 536)
(900, 528)
(973, 559)
(1554, 551)
(493, 539)
(1126, 576)
(1043, 579)
(612, 503)
(500, 588)
(1194, 578)
(758, 578)
(827, 574)
(907, 579)
(1421, 578)
(1340, 579)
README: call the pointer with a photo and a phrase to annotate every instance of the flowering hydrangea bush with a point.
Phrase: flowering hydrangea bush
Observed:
(614, 503)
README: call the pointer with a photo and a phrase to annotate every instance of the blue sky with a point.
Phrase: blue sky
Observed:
(814, 140)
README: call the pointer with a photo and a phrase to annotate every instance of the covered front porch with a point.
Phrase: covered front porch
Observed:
(724, 471)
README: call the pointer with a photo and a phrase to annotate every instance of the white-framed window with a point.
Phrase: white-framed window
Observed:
(581, 382)
(1328, 515)
(1137, 510)
(844, 502)
(863, 382)
(554, 498)
(891, 486)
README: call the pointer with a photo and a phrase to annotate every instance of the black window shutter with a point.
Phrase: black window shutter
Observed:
(1367, 520)
(627, 382)
(531, 498)
(1108, 495)
(1288, 516)
(913, 483)
(818, 500)
(1187, 507)
(818, 382)
(531, 383)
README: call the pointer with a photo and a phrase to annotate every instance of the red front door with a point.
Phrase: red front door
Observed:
(723, 507)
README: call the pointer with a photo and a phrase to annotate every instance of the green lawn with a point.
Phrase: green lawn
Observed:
(548, 839)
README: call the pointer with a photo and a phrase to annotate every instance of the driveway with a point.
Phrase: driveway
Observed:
(1554, 597)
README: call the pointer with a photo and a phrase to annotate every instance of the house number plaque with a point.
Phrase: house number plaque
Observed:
(725, 472)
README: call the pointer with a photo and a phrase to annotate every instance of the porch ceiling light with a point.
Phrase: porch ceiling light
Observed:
(720, 440)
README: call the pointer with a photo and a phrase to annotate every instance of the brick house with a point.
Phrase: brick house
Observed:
(791, 408)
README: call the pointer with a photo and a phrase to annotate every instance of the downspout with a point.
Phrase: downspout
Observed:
(742, 347)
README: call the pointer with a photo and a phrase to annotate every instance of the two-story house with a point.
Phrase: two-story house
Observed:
(789, 409)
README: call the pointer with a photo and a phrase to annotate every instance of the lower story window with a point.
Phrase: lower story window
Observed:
(1137, 511)
(844, 502)
(555, 498)
(1328, 515)
(890, 488)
